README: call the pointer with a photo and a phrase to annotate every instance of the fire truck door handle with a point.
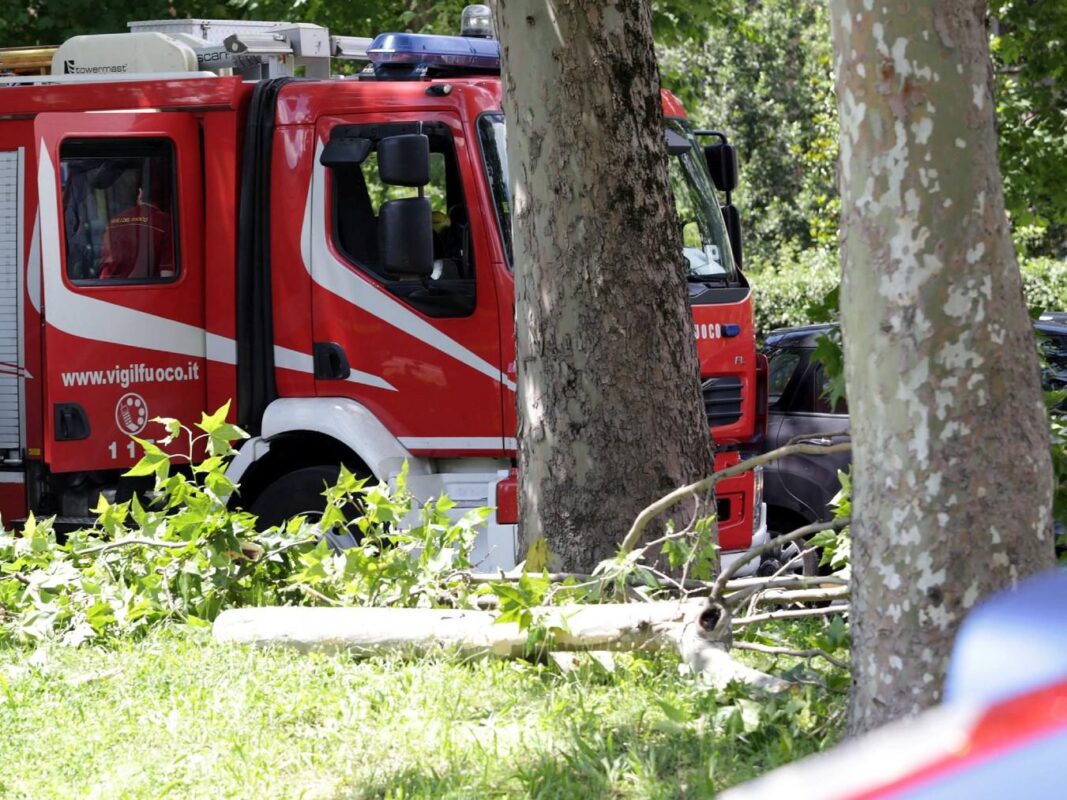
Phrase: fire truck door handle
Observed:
(72, 423)
(331, 363)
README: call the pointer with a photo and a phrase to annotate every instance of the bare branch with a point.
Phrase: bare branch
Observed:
(270, 554)
(731, 588)
(794, 613)
(789, 651)
(785, 582)
(317, 595)
(706, 484)
(808, 437)
(771, 544)
(128, 542)
(784, 596)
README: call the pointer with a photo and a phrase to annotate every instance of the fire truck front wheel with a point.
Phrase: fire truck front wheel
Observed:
(296, 492)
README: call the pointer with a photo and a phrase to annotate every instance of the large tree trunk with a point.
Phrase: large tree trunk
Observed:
(609, 408)
(952, 480)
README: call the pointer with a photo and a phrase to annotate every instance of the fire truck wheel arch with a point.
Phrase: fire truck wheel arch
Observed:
(305, 432)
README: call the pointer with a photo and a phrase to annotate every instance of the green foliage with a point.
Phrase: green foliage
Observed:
(1044, 284)
(787, 292)
(186, 556)
(1030, 61)
(763, 74)
(801, 288)
(836, 546)
(395, 562)
(1058, 437)
(54, 21)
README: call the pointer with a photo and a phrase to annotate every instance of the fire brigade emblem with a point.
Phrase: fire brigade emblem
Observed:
(131, 413)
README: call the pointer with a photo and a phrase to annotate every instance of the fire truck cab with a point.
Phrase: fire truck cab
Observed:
(197, 211)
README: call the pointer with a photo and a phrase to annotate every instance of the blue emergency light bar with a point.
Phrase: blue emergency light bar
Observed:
(426, 51)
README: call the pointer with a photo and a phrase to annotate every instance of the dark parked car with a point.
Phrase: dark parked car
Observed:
(1052, 339)
(797, 489)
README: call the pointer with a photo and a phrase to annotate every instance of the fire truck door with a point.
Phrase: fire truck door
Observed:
(422, 353)
(121, 284)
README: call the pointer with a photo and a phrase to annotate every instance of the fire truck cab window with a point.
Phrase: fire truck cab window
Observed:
(358, 194)
(119, 210)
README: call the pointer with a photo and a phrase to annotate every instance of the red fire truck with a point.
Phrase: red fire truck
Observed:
(195, 211)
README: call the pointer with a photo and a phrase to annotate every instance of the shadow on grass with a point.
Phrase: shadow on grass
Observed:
(665, 761)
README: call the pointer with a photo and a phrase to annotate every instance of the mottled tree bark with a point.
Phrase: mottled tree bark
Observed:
(609, 407)
(952, 481)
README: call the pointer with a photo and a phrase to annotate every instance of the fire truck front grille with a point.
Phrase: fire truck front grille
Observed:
(722, 400)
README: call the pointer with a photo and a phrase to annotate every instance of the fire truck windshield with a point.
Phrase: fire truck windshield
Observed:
(703, 232)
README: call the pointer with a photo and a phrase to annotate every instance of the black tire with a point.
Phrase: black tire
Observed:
(297, 492)
(808, 566)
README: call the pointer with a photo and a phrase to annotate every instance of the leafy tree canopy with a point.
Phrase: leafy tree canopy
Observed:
(1029, 46)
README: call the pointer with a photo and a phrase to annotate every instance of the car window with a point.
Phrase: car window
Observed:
(358, 194)
(781, 366)
(119, 210)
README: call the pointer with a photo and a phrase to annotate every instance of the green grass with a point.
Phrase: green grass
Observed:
(175, 715)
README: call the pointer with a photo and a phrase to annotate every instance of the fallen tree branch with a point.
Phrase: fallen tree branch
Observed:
(789, 651)
(794, 613)
(698, 634)
(16, 576)
(733, 585)
(784, 582)
(781, 597)
(772, 544)
(708, 483)
(807, 437)
(128, 542)
(581, 578)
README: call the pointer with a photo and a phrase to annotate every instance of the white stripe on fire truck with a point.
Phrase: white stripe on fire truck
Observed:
(90, 318)
(333, 276)
(284, 358)
(450, 442)
(33, 269)
(220, 348)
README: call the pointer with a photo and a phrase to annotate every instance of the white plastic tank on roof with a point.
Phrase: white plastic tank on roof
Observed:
(114, 54)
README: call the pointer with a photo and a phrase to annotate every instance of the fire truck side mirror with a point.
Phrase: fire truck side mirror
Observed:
(343, 151)
(722, 164)
(404, 160)
(732, 219)
(405, 236)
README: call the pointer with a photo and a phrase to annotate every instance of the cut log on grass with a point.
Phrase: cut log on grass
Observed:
(686, 627)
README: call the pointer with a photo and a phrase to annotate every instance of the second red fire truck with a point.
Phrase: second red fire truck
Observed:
(183, 221)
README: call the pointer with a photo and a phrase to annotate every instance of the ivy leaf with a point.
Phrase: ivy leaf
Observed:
(172, 426)
(153, 462)
(220, 432)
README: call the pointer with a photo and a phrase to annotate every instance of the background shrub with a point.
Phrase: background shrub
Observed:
(784, 292)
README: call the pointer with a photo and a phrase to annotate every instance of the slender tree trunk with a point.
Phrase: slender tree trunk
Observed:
(610, 415)
(952, 481)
